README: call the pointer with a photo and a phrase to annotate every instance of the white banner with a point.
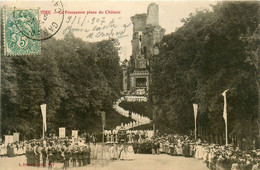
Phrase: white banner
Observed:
(74, 134)
(62, 132)
(9, 139)
(103, 116)
(16, 137)
(43, 109)
(195, 107)
(225, 114)
(225, 106)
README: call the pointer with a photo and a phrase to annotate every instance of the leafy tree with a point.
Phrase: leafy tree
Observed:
(76, 80)
(213, 51)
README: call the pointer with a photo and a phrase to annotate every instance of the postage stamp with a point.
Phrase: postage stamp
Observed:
(19, 26)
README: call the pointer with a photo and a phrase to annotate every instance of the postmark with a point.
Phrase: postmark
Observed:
(18, 26)
(50, 20)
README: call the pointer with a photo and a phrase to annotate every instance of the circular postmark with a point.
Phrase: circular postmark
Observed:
(49, 20)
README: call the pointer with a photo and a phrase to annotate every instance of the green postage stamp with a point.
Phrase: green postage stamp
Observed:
(21, 32)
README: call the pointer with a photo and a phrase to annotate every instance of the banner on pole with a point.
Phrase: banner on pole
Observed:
(74, 134)
(195, 107)
(16, 137)
(43, 109)
(225, 106)
(103, 116)
(9, 139)
(62, 132)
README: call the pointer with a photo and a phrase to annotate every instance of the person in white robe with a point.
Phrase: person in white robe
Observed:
(99, 152)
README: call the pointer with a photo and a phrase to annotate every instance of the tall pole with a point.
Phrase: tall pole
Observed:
(44, 126)
(103, 136)
(43, 129)
(226, 134)
(195, 130)
(103, 116)
(195, 108)
(225, 114)
(154, 119)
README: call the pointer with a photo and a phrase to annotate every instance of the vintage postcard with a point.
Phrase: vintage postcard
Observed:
(171, 85)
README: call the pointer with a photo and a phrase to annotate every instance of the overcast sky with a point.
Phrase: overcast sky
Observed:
(170, 14)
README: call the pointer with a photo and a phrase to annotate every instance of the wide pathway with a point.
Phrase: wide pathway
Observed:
(141, 162)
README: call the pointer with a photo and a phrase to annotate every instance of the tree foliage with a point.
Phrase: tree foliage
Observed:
(210, 53)
(76, 80)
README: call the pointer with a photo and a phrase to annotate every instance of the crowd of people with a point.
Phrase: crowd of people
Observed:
(64, 152)
(139, 119)
(126, 136)
(215, 156)
(12, 149)
(136, 98)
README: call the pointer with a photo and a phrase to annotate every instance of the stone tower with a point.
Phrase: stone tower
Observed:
(146, 34)
(125, 75)
(152, 15)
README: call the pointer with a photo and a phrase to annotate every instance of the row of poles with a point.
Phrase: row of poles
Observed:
(103, 116)
(195, 108)
(44, 124)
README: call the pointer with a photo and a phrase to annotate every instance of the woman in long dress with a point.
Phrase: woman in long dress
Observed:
(99, 151)
(121, 152)
(112, 151)
(198, 151)
(106, 152)
(131, 154)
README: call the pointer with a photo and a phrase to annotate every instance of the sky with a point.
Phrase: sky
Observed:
(114, 22)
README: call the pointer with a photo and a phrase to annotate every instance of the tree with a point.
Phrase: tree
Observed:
(208, 54)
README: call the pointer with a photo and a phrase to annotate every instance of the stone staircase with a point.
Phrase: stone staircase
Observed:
(138, 119)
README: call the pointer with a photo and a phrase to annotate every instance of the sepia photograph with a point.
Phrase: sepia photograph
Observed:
(130, 85)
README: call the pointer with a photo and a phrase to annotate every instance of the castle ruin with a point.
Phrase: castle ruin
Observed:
(146, 35)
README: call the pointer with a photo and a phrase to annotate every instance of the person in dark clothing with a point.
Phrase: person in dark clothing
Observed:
(137, 137)
(74, 156)
(44, 156)
(8, 150)
(88, 154)
(135, 146)
(36, 155)
(88, 138)
(186, 150)
(79, 156)
(59, 157)
(54, 153)
(84, 156)
(50, 156)
(62, 158)
(27, 154)
(154, 146)
(67, 155)
(157, 148)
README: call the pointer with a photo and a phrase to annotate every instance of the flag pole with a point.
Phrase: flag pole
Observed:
(225, 114)
(103, 116)
(195, 131)
(43, 129)
(226, 134)
(43, 109)
(195, 107)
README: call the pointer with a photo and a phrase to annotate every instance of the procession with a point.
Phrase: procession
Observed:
(65, 153)
(171, 85)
